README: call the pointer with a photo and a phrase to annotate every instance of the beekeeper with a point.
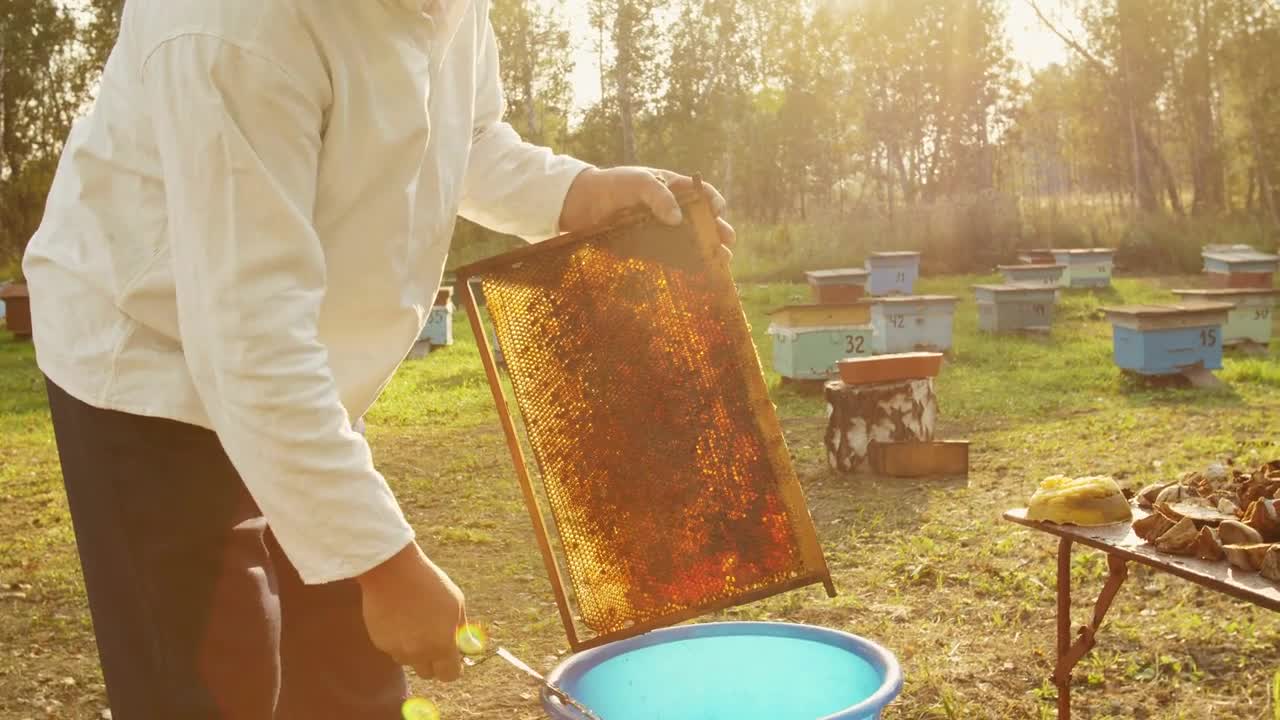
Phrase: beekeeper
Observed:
(243, 240)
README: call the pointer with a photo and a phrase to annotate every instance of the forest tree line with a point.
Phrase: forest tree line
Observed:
(821, 111)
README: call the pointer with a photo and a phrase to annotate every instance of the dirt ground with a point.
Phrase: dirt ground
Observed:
(926, 568)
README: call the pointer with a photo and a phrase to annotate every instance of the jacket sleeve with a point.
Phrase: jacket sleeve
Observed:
(511, 186)
(239, 141)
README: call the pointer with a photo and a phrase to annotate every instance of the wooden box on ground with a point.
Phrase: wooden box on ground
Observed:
(1010, 308)
(1240, 266)
(893, 273)
(1168, 339)
(917, 322)
(844, 285)
(1040, 274)
(858, 415)
(439, 328)
(1086, 267)
(939, 458)
(17, 309)
(1250, 321)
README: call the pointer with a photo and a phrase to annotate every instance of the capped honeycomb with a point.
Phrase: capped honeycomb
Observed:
(643, 401)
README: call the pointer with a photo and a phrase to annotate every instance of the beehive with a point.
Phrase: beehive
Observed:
(1240, 266)
(439, 328)
(1037, 256)
(860, 415)
(1250, 320)
(1039, 274)
(644, 403)
(845, 285)
(1008, 308)
(917, 322)
(1168, 339)
(808, 340)
(1086, 267)
(17, 309)
(893, 273)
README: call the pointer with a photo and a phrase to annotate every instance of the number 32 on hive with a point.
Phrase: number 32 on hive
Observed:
(854, 343)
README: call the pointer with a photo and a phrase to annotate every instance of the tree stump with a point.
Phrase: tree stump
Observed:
(858, 415)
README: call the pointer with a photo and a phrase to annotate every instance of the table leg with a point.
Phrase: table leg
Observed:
(1064, 627)
(1070, 653)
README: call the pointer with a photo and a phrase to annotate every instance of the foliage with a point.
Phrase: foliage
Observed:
(43, 84)
(906, 121)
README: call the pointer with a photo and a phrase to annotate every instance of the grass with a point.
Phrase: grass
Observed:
(928, 569)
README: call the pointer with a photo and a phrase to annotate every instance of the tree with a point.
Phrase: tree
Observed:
(44, 81)
(629, 78)
(533, 48)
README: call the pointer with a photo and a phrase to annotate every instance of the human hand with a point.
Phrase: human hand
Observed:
(596, 194)
(412, 611)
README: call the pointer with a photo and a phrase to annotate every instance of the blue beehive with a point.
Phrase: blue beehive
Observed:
(808, 340)
(1086, 267)
(917, 322)
(1009, 308)
(893, 273)
(1167, 339)
(439, 328)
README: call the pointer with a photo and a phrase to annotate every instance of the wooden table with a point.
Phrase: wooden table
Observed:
(1122, 546)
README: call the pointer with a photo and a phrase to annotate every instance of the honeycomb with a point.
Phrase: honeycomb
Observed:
(643, 402)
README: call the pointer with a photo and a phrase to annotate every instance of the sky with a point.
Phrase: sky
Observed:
(1033, 45)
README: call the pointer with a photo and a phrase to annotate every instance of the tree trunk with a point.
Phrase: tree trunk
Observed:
(1264, 178)
(622, 38)
(1150, 147)
(1142, 190)
(1208, 181)
(526, 80)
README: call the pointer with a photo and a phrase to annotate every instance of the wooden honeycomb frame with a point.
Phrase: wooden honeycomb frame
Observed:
(643, 400)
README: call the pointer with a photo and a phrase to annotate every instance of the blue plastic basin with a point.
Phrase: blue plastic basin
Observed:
(731, 671)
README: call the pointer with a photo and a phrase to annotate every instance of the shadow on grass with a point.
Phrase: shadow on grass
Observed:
(1169, 390)
(1106, 296)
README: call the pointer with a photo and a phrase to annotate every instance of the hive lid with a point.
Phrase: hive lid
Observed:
(1084, 251)
(1016, 288)
(822, 306)
(1032, 266)
(1238, 247)
(889, 368)
(644, 403)
(1167, 310)
(13, 291)
(1228, 292)
(1249, 255)
(895, 254)
(915, 299)
(838, 273)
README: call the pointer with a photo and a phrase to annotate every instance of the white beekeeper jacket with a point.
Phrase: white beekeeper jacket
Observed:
(247, 232)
